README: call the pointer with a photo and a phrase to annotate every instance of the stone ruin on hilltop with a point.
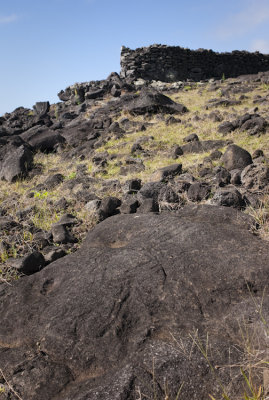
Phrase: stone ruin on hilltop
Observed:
(173, 63)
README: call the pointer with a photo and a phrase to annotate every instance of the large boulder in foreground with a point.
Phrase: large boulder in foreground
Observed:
(120, 317)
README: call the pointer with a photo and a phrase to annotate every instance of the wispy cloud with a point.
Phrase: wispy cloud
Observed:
(260, 45)
(253, 14)
(8, 19)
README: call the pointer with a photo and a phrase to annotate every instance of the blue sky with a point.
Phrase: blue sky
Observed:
(47, 45)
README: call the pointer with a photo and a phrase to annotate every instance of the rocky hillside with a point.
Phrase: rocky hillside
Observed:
(161, 193)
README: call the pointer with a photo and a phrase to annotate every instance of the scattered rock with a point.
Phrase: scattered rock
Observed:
(150, 190)
(226, 127)
(15, 162)
(61, 235)
(215, 155)
(7, 223)
(93, 206)
(29, 264)
(235, 176)
(202, 145)
(254, 125)
(191, 138)
(109, 206)
(176, 151)
(54, 254)
(222, 176)
(61, 204)
(152, 102)
(228, 197)
(166, 173)
(129, 205)
(42, 107)
(53, 181)
(172, 120)
(198, 191)
(43, 139)
(132, 186)
(236, 158)
(255, 176)
(148, 205)
(257, 153)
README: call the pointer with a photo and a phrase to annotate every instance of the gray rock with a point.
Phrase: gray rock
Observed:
(215, 155)
(30, 264)
(148, 205)
(235, 176)
(236, 158)
(176, 151)
(222, 176)
(132, 185)
(153, 102)
(16, 163)
(53, 181)
(226, 127)
(198, 191)
(191, 138)
(43, 139)
(109, 206)
(54, 254)
(66, 220)
(228, 197)
(166, 173)
(202, 145)
(92, 206)
(138, 283)
(129, 205)
(61, 235)
(255, 176)
(150, 190)
(42, 107)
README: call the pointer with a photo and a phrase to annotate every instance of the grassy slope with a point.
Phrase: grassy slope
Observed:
(13, 197)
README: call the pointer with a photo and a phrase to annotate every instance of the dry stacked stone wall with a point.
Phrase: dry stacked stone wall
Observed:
(172, 63)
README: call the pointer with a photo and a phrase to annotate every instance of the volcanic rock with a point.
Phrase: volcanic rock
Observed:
(236, 158)
(255, 176)
(140, 285)
(15, 162)
(153, 102)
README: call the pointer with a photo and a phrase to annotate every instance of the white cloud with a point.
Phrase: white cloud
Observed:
(7, 19)
(255, 13)
(260, 45)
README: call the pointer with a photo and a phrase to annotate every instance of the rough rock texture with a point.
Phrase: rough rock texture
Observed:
(42, 139)
(203, 145)
(90, 324)
(174, 63)
(15, 162)
(255, 176)
(154, 102)
(236, 158)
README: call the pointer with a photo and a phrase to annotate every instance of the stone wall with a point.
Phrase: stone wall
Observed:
(172, 63)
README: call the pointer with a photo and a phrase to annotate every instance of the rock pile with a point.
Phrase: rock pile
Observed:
(172, 259)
